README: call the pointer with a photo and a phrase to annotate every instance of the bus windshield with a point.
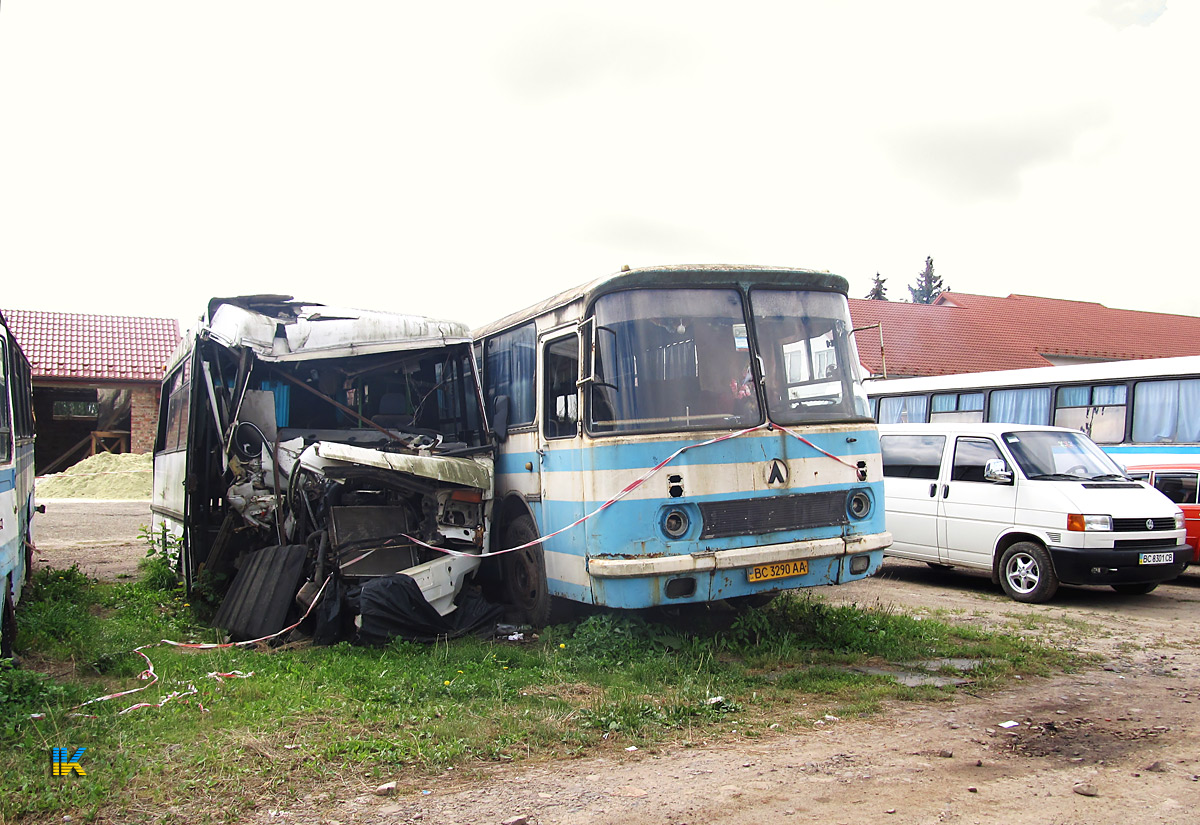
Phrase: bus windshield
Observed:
(672, 359)
(810, 362)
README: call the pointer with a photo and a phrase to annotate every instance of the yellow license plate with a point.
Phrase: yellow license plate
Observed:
(783, 570)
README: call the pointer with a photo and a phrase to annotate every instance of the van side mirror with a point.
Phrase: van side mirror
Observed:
(996, 471)
(500, 418)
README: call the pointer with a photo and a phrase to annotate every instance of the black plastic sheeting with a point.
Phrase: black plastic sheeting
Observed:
(393, 606)
(262, 593)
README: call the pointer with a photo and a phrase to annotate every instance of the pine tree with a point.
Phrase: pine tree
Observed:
(928, 286)
(878, 290)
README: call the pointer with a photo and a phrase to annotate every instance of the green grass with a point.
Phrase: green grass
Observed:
(348, 718)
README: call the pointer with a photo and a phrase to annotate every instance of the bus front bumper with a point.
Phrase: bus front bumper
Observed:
(741, 557)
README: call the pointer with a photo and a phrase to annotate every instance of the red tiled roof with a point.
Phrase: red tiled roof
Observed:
(961, 332)
(65, 345)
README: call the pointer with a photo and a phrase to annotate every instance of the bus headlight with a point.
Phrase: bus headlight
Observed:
(859, 504)
(676, 523)
(1078, 523)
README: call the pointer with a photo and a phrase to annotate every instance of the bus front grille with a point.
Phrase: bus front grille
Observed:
(772, 514)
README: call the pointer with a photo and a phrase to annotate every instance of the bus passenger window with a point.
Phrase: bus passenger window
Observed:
(560, 398)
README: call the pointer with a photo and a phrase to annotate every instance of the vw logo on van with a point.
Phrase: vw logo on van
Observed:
(1149, 524)
(776, 472)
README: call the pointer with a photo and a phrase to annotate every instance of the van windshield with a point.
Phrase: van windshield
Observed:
(1050, 454)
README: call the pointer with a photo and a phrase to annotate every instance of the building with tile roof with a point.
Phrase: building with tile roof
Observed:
(961, 332)
(95, 380)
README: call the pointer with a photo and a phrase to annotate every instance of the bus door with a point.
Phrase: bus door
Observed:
(562, 463)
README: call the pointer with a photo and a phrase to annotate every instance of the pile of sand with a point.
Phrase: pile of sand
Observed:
(104, 476)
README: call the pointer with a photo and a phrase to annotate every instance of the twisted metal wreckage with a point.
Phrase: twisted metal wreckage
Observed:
(303, 447)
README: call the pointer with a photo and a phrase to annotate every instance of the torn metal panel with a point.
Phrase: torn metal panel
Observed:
(465, 471)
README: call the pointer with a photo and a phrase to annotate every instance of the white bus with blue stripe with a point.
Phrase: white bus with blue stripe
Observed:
(1140, 412)
(16, 480)
(682, 434)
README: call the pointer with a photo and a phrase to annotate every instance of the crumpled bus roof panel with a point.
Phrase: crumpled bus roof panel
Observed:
(317, 331)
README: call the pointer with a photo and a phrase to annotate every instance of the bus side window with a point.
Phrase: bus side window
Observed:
(560, 391)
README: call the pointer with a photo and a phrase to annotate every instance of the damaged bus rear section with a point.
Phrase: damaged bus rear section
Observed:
(300, 444)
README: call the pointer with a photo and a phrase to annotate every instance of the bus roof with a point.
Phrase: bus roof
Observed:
(695, 275)
(312, 330)
(1038, 376)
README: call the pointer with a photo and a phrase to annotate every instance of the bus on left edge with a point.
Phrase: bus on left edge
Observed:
(16, 480)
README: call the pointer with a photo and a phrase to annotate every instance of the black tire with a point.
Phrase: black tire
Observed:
(524, 588)
(1134, 589)
(8, 628)
(1027, 574)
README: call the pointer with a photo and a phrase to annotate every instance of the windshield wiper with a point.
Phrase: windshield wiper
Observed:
(1111, 477)
(1057, 476)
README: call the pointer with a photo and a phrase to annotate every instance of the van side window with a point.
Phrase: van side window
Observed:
(970, 454)
(1179, 487)
(912, 456)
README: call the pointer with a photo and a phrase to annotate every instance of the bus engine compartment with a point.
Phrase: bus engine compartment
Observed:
(302, 447)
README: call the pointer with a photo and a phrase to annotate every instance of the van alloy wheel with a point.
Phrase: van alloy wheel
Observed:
(1027, 574)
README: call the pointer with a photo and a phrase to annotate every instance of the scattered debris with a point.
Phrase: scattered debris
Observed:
(386, 789)
(516, 820)
(1010, 724)
(1085, 789)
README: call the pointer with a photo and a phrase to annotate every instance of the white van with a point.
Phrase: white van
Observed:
(1035, 506)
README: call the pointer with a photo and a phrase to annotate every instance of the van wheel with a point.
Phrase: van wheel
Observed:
(525, 589)
(1027, 574)
(1134, 589)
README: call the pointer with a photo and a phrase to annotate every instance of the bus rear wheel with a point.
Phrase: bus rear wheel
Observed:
(525, 588)
(8, 622)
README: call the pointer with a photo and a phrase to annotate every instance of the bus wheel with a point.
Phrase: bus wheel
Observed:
(1133, 589)
(8, 623)
(525, 588)
(1027, 574)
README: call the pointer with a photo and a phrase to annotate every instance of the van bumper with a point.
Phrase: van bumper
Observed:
(1092, 566)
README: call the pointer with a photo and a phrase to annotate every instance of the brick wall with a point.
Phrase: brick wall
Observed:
(143, 425)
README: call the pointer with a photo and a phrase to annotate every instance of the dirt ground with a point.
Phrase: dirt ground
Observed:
(1126, 734)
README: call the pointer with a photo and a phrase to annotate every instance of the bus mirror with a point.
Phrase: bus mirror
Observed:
(500, 418)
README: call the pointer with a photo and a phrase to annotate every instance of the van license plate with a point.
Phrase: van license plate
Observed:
(783, 570)
(1156, 558)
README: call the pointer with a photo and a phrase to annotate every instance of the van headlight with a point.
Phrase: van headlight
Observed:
(1077, 523)
(1178, 519)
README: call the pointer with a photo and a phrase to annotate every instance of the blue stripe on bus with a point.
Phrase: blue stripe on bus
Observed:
(1150, 449)
(632, 525)
(631, 454)
(8, 479)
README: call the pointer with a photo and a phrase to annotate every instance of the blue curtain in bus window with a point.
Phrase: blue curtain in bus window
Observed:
(945, 402)
(1028, 406)
(904, 409)
(970, 402)
(1074, 396)
(1108, 395)
(282, 393)
(1166, 411)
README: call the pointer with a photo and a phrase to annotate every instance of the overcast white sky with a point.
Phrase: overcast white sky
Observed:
(467, 159)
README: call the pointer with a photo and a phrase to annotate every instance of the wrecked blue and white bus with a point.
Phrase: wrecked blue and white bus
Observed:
(301, 444)
(682, 434)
